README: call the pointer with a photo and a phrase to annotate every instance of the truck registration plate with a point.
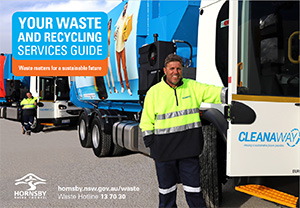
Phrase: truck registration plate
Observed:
(65, 121)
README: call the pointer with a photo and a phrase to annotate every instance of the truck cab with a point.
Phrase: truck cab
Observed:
(54, 106)
(255, 53)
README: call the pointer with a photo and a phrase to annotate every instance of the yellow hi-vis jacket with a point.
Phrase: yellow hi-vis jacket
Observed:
(170, 119)
(28, 103)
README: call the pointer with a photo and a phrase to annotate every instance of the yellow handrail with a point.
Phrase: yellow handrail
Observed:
(239, 68)
(290, 48)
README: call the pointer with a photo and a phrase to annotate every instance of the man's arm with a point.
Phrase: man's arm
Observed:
(213, 94)
(35, 99)
(22, 103)
(147, 120)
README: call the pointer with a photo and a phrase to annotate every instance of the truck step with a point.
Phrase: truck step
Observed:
(269, 194)
(47, 124)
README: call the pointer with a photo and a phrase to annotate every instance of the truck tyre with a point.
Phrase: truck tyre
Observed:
(83, 131)
(210, 183)
(101, 142)
(36, 126)
(117, 150)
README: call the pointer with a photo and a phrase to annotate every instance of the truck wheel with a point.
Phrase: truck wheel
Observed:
(117, 150)
(36, 126)
(210, 183)
(83, 132)
(101, 142)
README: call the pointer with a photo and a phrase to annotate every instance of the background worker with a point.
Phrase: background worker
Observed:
(28, 106)
(171, 127)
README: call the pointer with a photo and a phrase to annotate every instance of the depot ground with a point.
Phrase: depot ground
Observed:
(76, 178)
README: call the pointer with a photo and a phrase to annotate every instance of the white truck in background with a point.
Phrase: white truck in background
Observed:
(54, 107)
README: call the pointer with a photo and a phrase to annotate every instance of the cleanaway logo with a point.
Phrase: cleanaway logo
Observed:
(31, 181)
(271, 139)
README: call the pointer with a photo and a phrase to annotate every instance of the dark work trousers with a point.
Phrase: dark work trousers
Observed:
(28, 119)
(188, 170)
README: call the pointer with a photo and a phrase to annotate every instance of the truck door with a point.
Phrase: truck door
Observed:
(263, 80)
(46, 90)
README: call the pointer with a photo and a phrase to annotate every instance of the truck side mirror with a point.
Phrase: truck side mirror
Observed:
(40, 104)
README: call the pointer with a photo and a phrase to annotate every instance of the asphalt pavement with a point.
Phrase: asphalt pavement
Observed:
(51, 169)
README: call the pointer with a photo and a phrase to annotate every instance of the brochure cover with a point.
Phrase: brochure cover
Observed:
(73, 80)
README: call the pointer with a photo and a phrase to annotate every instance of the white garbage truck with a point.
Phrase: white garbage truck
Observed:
(251, 47)
(53, 100)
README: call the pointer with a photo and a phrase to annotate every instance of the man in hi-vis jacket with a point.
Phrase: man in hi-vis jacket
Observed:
(171, 127)
(29, 106)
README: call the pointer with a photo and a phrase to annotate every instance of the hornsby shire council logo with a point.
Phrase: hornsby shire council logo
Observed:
(30, 181)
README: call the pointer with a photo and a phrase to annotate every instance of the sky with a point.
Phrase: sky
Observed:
(8, 7)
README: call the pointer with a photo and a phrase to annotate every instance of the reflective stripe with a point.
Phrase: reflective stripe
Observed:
(169, 190)
(29, 106)
(191, 189)
(177, 113)
(178, 128)
(147, 133)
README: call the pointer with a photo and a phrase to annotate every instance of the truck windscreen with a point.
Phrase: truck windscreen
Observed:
(269, 47)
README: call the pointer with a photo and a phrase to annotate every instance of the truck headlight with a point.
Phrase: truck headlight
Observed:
(62, 107)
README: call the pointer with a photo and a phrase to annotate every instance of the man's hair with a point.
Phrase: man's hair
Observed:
(173, 57)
